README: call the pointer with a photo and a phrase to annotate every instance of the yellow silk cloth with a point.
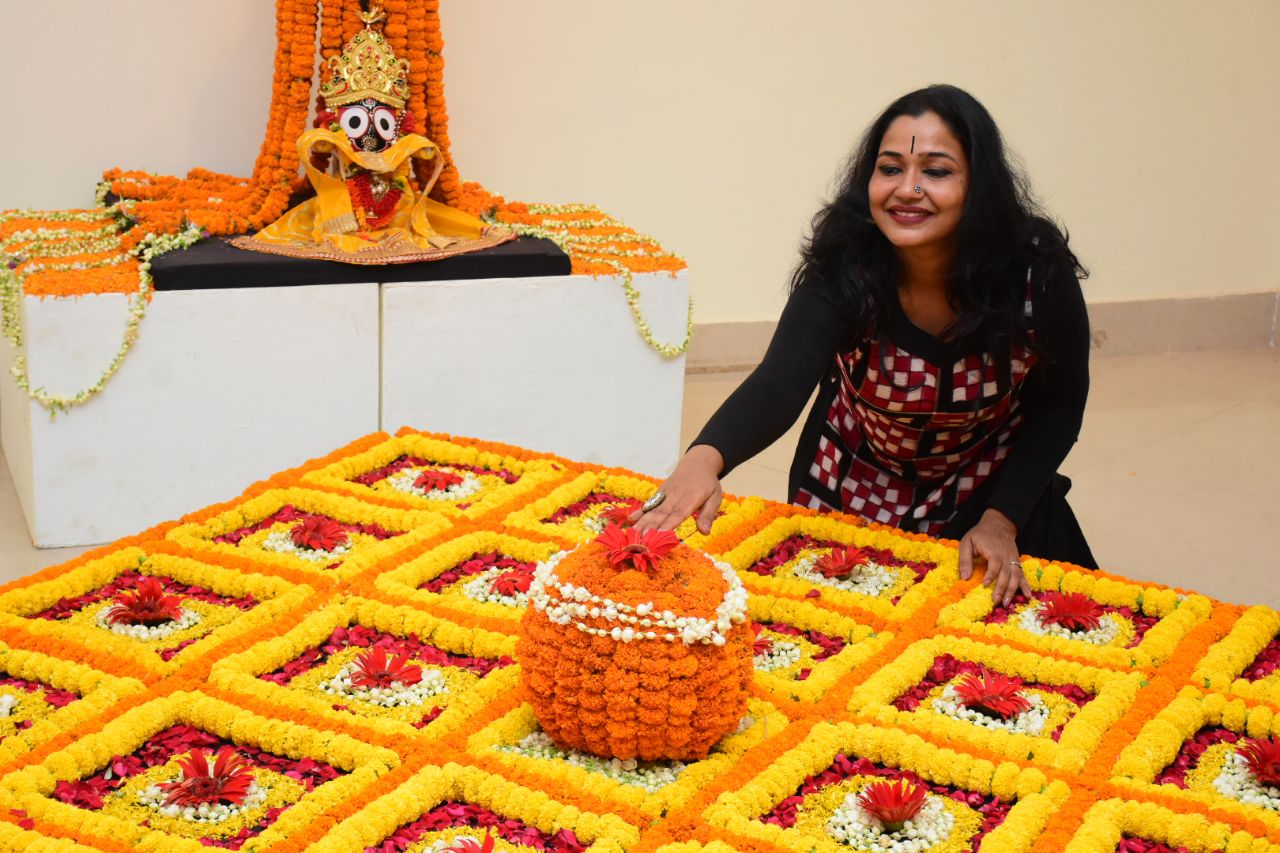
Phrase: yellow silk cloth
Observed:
(327, 227)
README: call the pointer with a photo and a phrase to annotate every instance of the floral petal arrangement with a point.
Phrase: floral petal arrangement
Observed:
(333, 662)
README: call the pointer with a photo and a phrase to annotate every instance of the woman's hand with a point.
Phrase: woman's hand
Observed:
(694, 487)
(993, 539)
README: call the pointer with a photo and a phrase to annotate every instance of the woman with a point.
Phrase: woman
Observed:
(942, 318)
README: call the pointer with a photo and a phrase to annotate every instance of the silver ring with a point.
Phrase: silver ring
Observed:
(654, 502)
(1017, 563)
(919, 188)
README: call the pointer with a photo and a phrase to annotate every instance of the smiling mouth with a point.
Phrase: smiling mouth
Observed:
(907, 215)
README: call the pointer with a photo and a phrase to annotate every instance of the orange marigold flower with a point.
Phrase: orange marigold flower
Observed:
(226, 782)
(642, 549)
(377, 668)
(319, 534)
(992, 693)
(1262, 756)
(893, 803)
(1074, 611)
(146, 605)
(842, 562)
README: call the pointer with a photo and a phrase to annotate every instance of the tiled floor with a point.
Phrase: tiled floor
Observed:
(1175, 474)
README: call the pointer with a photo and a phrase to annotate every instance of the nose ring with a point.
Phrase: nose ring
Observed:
(919, 189)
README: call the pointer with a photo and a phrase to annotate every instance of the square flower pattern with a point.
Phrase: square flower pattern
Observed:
(328, 663)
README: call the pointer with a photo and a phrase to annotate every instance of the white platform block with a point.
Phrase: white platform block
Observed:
(222, 388)
(550, 363)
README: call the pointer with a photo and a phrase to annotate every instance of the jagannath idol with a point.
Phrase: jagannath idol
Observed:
(359, 159)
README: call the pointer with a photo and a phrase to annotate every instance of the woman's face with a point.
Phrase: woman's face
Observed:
(919, 151)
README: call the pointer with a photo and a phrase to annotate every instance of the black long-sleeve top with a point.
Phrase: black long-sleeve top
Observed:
(815, 327)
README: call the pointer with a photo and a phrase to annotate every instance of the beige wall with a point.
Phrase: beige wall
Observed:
(1148, 126)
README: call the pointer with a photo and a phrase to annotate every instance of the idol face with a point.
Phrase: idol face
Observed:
(369, 125)
(919, 151)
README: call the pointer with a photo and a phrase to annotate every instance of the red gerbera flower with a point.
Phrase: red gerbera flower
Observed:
(642, 549)
(317, 533)
(146, 605)
(377, 668)
(893, 803)
(1262, 756)
(470, 845)
(620, 514)
(842, 562)
(992, 693)
(227, 782)
(1074, 611)
(432, 480)
(513, 581)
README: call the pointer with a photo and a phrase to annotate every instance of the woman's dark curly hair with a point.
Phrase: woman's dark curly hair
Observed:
(1002, 232)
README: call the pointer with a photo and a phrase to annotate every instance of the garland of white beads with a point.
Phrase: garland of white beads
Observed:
(641, 621)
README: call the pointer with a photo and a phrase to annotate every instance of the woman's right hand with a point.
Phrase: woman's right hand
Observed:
(694, 487)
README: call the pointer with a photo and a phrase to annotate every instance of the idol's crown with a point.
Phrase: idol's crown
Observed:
(367, 68)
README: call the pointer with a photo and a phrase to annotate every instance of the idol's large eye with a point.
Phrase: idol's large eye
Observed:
(384, 121)
(355, 121)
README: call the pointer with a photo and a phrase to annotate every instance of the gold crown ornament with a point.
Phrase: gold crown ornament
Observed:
(367, 68)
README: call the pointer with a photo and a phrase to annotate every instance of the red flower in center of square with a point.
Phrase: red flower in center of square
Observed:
(511, 582)
(377, 668)
(620, 514)
(992, 694)
(642, 549)
(317, 533)
(146, 604)
(227, 781)
(893, 803)
(1074, 611)
(1262, 757)
(433, 480)
(842, 562)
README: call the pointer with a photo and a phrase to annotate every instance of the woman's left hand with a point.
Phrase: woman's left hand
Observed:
(994, 540)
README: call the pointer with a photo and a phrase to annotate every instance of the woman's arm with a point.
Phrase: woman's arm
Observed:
(1053, 401)
(811, 330)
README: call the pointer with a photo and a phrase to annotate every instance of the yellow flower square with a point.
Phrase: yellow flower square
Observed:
(68, 613)
(898, 576)
(1230, 663)
(776, 807)
(58, 790)
(477, 480)
(1128, 645)
(462, 669)
(259, 534)
(1109, 821)
(1082, 727)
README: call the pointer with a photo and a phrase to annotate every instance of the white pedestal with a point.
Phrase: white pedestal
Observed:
(550, 363)
(222, 388)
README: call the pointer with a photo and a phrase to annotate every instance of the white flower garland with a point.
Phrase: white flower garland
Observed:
(1105, 634)
(1029, 722)
(870, 579)
(188, 619)
(281, 541)
(398, 695)
(403, 481)
(153, 797)
(637, 622)
(480, 588)
(7, 703)
(852, 825)
(652, 776)
(1235, 781)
